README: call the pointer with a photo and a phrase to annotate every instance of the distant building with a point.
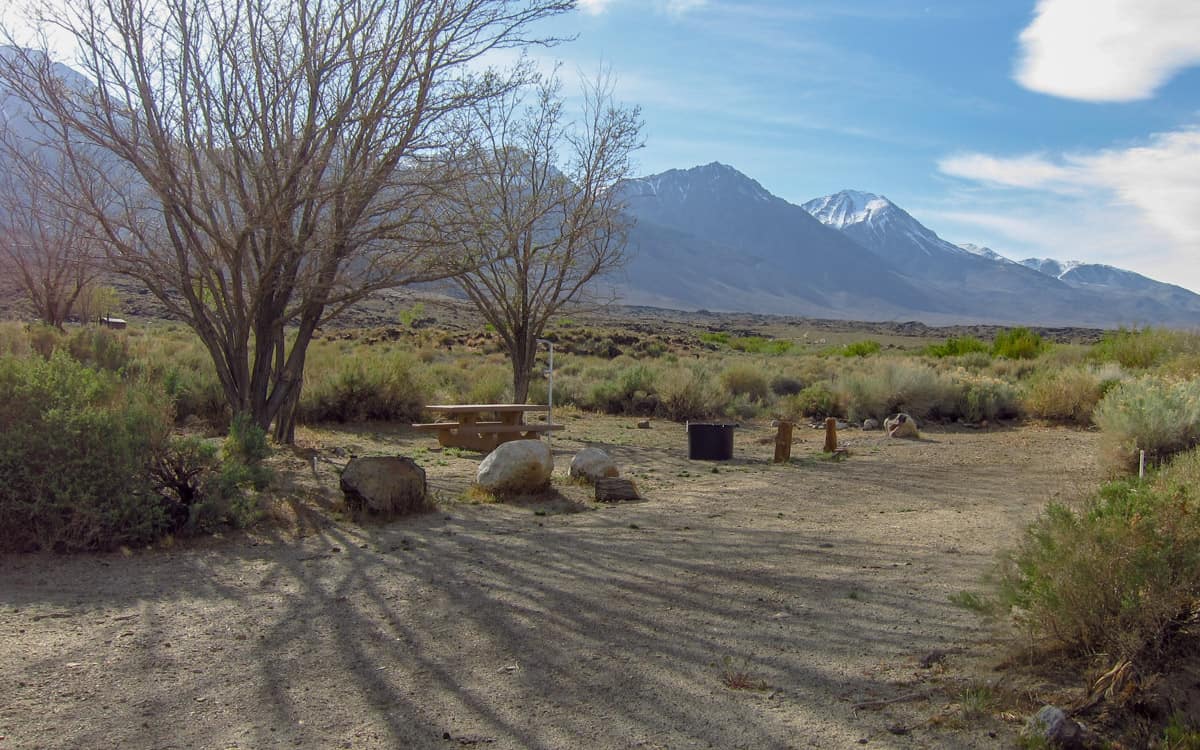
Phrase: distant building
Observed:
(116, 323)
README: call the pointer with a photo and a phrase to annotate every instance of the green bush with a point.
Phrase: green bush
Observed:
(817, 401)
(1018, 343)
(75, 447)
(358, 388)
(864, 348)
(760, 345)
(890, 386)
(746, 380)
(100, 348)
(690, 393)
(1068, 395)
(1116, 574)
(201, 493)
(956, 347)
(1150, 414)
(1145, 348)
(981, 397)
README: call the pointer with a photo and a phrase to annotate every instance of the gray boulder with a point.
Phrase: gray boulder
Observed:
(591, 464)
(385, 486)
(1057, 730)
(517, 467)
(870, 424)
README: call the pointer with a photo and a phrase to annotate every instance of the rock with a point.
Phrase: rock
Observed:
(1057, 729)
(592, 464)
(613, 490)
(870, 424)
(385, 486)
(516, 467)
(644, 424)
(901, 426)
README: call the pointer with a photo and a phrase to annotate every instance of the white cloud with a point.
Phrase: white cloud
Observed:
(1134, 206)
(674, 7)
(1108, 50)
(594, 7)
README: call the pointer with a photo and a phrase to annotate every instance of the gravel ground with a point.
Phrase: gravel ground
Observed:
(739, 605)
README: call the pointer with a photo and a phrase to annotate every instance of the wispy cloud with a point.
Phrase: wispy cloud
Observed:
(1116, 50)
(1135, 204)
(674, 7)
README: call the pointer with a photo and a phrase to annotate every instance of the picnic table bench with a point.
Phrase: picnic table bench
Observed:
(468, 429)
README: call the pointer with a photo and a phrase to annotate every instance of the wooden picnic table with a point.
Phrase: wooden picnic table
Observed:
(468, 428)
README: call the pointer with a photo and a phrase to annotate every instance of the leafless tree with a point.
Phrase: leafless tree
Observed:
(272, 157)
(540, 213)
(48, 251)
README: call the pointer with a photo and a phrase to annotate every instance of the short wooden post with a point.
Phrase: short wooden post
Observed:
(783, 442)
(830, 435)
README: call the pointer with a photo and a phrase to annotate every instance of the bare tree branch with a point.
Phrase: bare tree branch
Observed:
(539, 214)
(272, 160)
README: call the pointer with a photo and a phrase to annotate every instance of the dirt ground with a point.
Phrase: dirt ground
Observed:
(739, 605)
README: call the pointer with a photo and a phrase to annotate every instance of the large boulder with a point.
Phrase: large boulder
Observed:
(385, 486)
(901, 426)
(591, 464)
(517, 467)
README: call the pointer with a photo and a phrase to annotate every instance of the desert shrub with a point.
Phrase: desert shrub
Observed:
(715, 338)
(981, 397)
(628, 390)
(956, 347)
(785, 385)
(690, 393)
(1144, 348)
(74, 450)
(864, 348)
(44, 339)
(742, 406)
(1018, 343)
(816, 401)
(100, 348)
(1115, 574)
(888, 387)
(202, 492)
(358, 388)
(1068, 395)
(13, 339)
(490, 384)
(760, 345)
(1158, 416)
(746, 380)
(178, 362)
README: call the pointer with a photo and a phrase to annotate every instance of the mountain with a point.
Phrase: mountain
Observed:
(712, 238)
(975, 285)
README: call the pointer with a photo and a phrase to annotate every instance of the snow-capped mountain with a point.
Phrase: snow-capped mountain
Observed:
(710, 237)
(1101, 277)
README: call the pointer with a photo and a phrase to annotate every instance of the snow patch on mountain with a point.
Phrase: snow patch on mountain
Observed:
(984, 252)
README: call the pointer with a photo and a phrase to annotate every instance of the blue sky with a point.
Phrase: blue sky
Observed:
(1062, 128)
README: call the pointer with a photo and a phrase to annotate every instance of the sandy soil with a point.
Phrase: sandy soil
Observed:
(740, 605)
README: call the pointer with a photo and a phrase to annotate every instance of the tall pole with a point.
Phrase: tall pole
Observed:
(550, 388)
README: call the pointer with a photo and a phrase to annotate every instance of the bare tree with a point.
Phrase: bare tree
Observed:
(47, 250)
(272, 157)
(540, 213)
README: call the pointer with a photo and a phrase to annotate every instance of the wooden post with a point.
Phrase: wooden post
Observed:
(830, 435)
(783, 442)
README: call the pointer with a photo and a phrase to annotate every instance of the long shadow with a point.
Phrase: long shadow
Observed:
(494, 625)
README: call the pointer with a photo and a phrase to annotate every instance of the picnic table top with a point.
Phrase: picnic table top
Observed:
(471, 408)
